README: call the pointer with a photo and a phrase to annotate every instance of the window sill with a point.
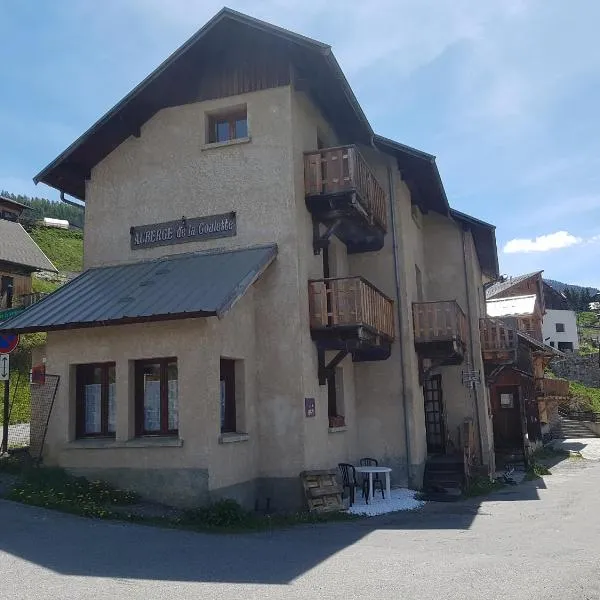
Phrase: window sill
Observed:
(232, 438)
(233, 142)
(338, 429)
(157, 442)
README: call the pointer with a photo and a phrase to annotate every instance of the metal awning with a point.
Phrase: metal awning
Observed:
(200, 284)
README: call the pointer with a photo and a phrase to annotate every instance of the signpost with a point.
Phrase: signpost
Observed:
(8, 342)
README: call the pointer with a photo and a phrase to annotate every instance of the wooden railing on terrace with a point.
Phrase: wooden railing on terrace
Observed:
(343, 169)
(496, 336)
(552, 387)
(350, 302)
(439, 322)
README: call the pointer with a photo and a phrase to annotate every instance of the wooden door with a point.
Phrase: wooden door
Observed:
(434, 415)
(508, 426)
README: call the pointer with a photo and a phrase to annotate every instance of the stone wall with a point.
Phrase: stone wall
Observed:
(584, 369)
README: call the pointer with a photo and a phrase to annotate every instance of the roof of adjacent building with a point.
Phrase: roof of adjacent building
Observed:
(200, 284)
(13, 203)
(539, 346)
(555, 300)
(513, 306)
(484, 237)
(17, 247)
(175, 82)
(503, 286)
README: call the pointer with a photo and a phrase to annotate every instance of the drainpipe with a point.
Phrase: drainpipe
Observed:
(400, 315)
(464, 241)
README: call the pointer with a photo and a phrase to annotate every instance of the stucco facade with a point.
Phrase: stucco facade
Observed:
(559, 329)
(168, 171)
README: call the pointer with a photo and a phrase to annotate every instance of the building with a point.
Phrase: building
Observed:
(269, 286)
(559, 328)
(524, 398)
(20, 256)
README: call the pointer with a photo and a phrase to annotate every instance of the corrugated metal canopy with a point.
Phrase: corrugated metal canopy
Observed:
(18, 248)
(181, 286)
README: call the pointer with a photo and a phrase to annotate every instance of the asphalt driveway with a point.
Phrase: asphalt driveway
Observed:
(538, 540)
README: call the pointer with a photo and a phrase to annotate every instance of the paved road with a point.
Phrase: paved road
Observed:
(535, 541)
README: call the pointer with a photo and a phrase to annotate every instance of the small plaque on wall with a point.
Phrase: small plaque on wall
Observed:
(310, 407)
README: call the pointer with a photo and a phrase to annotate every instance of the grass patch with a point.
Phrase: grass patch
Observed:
(63, 247)
(20, 399)
(229, 516)
(43, 285)
(480, 486)
(535, 471)
(54, 488)
(584, 397)
(547, 453)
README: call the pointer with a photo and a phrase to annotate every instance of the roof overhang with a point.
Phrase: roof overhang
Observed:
(175, 82)
(484, 237)
(420, 173)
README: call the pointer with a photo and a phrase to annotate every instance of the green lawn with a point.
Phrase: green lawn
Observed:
(62, 246)
(587, 397)
(20, 398)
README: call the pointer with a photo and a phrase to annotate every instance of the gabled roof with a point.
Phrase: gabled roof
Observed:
(18, 248)
(484, 237)
(512, 306)
(553, 299)
(175, 82)
(503, 286)
(539, 346)
(200, 284)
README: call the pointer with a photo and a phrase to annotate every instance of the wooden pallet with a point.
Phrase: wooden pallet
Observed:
(322, 490)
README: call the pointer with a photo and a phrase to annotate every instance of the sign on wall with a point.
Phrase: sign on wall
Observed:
(184, 230)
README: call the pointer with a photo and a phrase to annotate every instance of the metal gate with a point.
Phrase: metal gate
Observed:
(434, 415)
(30, 408)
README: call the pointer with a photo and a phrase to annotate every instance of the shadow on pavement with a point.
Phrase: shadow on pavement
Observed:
(83, 547)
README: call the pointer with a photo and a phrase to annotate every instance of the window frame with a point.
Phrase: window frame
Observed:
(228, 424)
(164, 396)
(231, 117)
(560, 327)
(80, 432)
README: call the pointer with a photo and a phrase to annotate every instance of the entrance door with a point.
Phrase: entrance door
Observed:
(508, 428)
(434, 415)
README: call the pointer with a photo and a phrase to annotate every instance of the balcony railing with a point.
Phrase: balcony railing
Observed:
(350, 302)
(332, 171)
(558, 388)
(20, 304)
(439, 322)
(498, 340)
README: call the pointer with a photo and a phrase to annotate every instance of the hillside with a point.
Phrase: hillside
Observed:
(559, 286)
(40, 208)
(62, 246)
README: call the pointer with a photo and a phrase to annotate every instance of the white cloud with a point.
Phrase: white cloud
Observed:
(543, 243)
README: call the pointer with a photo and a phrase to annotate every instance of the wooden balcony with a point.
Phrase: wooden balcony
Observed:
(349, 313)
(342, 192)
(498, 341)
(551, 388)
(440, 330)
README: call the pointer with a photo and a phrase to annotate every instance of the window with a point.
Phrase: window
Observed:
(560, 328)
(228, 126)
(156, 396)
(507, 401)
(95, 400)
(419, 279)
(335, 398)
(6, 291)
(227, 380)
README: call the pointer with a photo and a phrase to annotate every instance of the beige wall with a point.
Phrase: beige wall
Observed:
(458, 277)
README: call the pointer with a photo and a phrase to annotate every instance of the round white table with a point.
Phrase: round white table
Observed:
(370, 471)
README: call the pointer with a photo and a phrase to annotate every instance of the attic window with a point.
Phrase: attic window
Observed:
(227, 126)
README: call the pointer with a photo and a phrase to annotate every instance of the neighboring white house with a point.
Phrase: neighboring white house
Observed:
(559, 326)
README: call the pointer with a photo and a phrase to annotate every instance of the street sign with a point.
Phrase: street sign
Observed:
(8, 342)
(4, 367)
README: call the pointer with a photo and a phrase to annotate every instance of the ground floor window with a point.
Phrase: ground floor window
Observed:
(228, 404)
(95, 400)
(335, 398)
(156, 397)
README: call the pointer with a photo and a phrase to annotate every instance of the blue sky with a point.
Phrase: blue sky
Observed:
(504, 92)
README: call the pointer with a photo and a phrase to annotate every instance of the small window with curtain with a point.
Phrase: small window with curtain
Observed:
(95, 400)
(227, 126)
(156, 397)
